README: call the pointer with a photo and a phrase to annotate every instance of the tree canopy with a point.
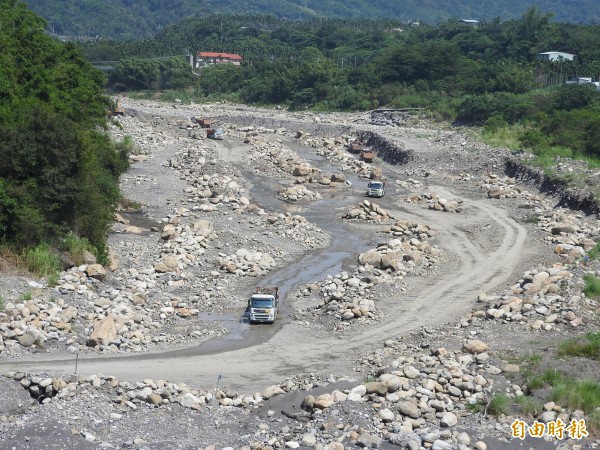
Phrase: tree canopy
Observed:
(58, 170)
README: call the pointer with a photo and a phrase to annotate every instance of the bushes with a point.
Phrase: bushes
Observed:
(41, 261)
(58, 172)
(592, 285)
(587, 346)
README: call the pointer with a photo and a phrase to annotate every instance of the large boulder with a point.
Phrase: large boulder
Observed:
(96, 271)
(203, 227)
(105, 331)
(475, 346)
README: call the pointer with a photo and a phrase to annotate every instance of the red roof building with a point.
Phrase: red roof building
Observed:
(209, 58)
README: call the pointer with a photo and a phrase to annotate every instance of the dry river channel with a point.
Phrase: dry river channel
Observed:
(253, 357)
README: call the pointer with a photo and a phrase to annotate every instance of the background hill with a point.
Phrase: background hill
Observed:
(121, 19)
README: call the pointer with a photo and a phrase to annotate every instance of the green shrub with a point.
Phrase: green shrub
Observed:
(25, 296)
(594, 253)
(498, 404)
(1, 303)
(41, 261)
(52, 279)
(476, 407)
(588, 346)
(577, 394)
(592, 285)
(549, 378)
(76, 247)
(529, 405)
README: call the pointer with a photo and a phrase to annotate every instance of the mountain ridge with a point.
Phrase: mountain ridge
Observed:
(129, 19)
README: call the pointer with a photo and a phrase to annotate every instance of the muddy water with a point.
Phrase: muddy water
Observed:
(346, 243)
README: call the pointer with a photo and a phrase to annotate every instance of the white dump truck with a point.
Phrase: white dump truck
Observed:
(376, 188)
(263, 305)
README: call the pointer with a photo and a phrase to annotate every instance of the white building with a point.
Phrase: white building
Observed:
(555, 56)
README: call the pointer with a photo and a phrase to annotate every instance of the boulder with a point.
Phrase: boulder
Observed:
(96, 271)
(475, 346)
(105, 331)
(408, 408)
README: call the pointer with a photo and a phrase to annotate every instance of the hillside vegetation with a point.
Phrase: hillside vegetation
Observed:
(58, 170)
(139, 19)
(488, 76)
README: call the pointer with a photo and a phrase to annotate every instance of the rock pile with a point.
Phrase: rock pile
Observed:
(568, 234)
(335, 150)
(407, 228)
(368, 211)
(343, 297)
(293, 227)
(437, 203)
(130, 394)
(298, 193)
(246, 263)
(400, 256)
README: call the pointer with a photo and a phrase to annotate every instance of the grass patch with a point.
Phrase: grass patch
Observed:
(570, 393)
(130, 205)
(476, 407)
(505, 136)
(26, 296)
(127, 146)
(587, 346)
(77, 247)
(41, 261)
(538, 381)
(52, 279)
(592, 286)
(1, 303)
(498, 404)
(529, 405)
(594, 253)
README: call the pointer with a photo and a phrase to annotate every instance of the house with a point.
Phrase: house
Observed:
(583, 80)
(471, 22)
(555, 56)
(210, 58)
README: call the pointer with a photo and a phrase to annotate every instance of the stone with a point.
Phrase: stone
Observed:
(96, 271)
(376, 387)
(27, 339)
(411, 372)
(105, 332)
(441, 445)
(448, 420)
(368, 441)
(475, 346)
(188, 400)
(272, 391)
(386, 415)
(511, 368)
(323, 401)
(154, 399)
(408, 408)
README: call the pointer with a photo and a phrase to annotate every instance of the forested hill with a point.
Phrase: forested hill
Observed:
(121, 19)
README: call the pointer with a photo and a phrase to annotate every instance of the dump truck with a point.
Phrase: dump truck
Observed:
(215, 133)
(376, 188)
(355, 146)
(263, 305)
(367, 155)
(204, 123)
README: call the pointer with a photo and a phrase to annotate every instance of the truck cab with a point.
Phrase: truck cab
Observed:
(376, 188)
(263, 305)
(215, 133)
